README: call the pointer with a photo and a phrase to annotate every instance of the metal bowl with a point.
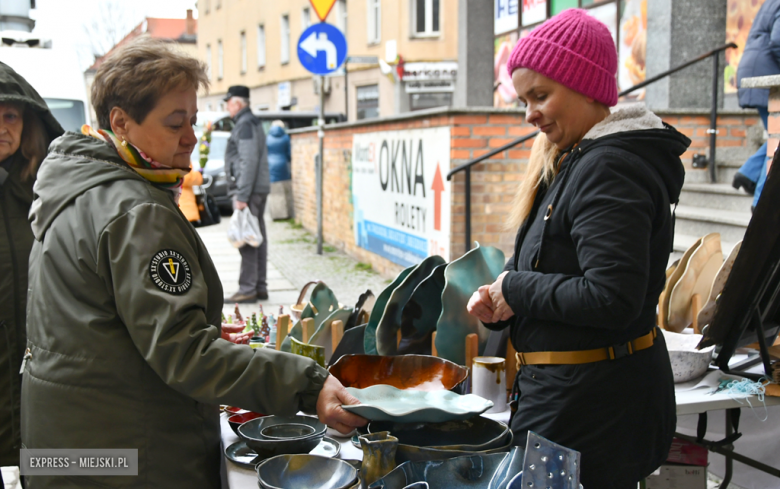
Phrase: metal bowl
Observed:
(305, 471)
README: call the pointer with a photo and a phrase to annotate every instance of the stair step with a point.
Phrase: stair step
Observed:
(684, 241)
(715, 196)
(698, 221)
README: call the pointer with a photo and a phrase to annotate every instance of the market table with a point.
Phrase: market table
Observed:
(689, 401)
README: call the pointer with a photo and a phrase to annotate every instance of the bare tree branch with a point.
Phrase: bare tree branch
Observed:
(112, 22)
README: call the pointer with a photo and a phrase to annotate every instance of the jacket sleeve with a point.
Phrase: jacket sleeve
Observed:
(774, 37)
(611, 222)
(170, 330)
(251, 148)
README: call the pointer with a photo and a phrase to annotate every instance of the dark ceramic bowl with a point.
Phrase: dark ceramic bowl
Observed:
(251, 433)
(291, 431)
(415, 372)
(474, 434)
(305, 471)
(237, 420)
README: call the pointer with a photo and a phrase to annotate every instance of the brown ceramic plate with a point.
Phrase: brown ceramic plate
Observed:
(414, 372)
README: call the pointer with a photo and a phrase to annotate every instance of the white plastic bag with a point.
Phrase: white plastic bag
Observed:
(244, 229)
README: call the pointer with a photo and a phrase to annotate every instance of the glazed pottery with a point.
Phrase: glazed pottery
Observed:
(671, 281)
(324, 334)
(322, 303)
(547, 464)
(237, 420)
(390, 322)
(480, 266)
(251, 433)
(369, 339)
(488, 380)
(241, 454)
(420, 314)
(688, 363)
(315, 352)
(297, 329)
(351, 343)
(387, 403)
(469, 435)
(418, 372)
(483, 471)
(378, 455)
(361, 311)
(697, 279)
(287, 431)
(707, 313)
(305, 472)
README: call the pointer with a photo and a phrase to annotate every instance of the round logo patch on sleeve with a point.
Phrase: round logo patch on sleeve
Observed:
(170, 272)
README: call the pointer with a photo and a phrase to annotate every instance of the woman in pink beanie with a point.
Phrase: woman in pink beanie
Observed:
(595, 231)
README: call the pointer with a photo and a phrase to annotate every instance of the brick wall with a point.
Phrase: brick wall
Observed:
(474, 132)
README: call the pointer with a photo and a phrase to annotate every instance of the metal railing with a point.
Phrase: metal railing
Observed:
(700, 163)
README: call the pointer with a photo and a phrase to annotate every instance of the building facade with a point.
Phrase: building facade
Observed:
(254, 43)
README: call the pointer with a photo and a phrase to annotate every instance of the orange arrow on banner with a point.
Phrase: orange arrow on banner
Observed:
(322, 8)
(438, 188)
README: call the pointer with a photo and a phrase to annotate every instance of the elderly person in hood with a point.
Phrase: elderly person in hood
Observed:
(595, 230)
(26, 129)
(125, 303)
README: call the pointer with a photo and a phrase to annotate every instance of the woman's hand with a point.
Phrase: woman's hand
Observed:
(233, 333)
(329, 409)
(501, 310)
(481, 305)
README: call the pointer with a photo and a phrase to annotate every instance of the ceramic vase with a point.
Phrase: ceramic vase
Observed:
(488, 380)
(378, 456)
(316, 353)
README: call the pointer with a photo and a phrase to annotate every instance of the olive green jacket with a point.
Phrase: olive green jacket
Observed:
(16, 239)
(123, 312)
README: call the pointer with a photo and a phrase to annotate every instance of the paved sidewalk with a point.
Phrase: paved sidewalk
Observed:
(292, 261)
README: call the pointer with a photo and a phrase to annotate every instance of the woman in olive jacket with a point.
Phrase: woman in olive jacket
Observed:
(580, 293)
(26, 129)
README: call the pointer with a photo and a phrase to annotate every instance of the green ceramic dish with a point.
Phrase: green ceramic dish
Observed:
(469, 435)
(323, 336)
(241, 454)
(420, 314)
(369, 338)
(315, 352)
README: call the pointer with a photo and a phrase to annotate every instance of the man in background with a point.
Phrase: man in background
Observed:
(246, 161)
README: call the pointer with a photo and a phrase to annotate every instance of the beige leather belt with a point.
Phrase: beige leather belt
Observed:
(586, 356)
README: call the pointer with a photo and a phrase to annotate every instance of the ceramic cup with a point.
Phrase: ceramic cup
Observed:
(315, 352)
(255, 342)
(488, 380)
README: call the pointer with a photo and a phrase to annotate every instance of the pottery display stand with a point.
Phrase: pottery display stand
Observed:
(282, 328)
(307, 329)
(336, 332)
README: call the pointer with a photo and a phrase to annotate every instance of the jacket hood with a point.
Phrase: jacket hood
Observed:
(276, 131)
(14, 88)
(635, 129)
(75, 164)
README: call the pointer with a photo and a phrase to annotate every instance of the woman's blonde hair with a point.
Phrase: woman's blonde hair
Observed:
(34, 143)
(541, 169)
(138, 74)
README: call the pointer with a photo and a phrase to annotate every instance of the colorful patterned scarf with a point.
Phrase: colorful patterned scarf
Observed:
(158, 174)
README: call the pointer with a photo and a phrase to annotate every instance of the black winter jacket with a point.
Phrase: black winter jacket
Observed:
(589, 276)
(761, 55)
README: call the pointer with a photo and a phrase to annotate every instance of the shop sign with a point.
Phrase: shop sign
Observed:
(445, 70)
(284, 94)
(400, 196)
(427, 86)
(505, 16)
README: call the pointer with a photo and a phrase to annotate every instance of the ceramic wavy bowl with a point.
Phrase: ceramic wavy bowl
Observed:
(417, 372)
(237, 420)
(688, 363)
(251, 433)
(387, 403)
(305, 471)
(473, 434)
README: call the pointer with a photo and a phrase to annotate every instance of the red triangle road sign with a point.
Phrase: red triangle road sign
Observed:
(322, 8)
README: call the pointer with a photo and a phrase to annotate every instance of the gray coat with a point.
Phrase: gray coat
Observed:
(246, 157)
(762, 54)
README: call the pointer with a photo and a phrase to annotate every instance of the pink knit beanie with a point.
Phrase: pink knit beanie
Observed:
(574, 49)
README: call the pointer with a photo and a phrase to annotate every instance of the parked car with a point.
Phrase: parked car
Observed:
(215, 180)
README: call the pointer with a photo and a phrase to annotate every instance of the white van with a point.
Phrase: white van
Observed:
(53, 73)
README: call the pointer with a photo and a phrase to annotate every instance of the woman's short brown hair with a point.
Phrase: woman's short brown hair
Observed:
(34, 143)
(135, 77)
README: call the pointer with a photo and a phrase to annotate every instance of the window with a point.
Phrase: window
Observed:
(260, 46)
(206, 6)
(285, 44)
(425, 17)
(368, 102)
(429, 100)
(208, 61)
(243, 52)
(220, 61)
(341, 16)
(374, 21)
(305, 18)
(218, 4)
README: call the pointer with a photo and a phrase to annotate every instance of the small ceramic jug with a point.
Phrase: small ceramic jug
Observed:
(378, 456)
(488, 380)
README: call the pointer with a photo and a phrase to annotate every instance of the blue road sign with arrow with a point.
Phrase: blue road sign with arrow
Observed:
(322, 49)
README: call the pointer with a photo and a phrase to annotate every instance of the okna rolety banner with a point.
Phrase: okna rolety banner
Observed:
(400, 194)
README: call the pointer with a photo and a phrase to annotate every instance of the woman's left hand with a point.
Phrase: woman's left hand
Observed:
(501, 310)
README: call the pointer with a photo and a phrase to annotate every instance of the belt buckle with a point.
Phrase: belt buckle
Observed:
(620, 351)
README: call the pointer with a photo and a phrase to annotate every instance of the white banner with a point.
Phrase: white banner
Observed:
(506, 15)
(400, 194)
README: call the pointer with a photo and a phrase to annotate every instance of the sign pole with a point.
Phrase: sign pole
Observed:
(320, 167)
(346, 92)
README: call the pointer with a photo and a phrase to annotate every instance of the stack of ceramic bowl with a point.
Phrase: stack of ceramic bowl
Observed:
(306, 472)
(275, 435)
